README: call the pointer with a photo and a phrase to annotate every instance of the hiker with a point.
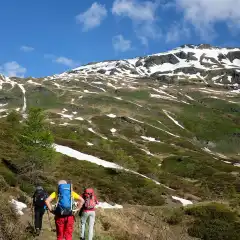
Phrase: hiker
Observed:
(64, 215)
(39, 205)
(88, 211)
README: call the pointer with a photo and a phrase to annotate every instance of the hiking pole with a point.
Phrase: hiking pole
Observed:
(49, 220)
(33, 227)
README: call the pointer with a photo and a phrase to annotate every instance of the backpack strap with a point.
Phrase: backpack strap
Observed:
(71, 198)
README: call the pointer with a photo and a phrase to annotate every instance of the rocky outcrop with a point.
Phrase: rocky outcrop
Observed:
(158, 60)
(233, 55)
(188, 56)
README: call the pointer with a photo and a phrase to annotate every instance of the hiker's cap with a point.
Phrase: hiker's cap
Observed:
(62, 182)
(39, 188)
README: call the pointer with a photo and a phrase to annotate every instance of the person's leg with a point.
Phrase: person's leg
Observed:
(41, 218)
(91, 224)
(36, 218)
(69, 226)
(84, 217)
(60, 223)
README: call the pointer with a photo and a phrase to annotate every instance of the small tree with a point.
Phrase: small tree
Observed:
(36, 141)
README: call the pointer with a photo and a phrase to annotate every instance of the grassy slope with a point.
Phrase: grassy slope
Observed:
(185, 167)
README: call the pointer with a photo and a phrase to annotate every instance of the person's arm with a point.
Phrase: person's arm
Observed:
(80, 201)
(48, 202)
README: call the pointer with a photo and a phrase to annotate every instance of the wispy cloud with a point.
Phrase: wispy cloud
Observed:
(143, 16)
(62, 60)
(120, 44)
(66, 61)
(26, 48)
(204, 14)
(177, 32)
(12, 69)
(92, 17)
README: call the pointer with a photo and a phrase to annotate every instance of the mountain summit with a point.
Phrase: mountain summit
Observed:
(203, 63)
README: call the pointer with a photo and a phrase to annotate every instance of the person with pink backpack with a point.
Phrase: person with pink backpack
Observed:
(88, 211)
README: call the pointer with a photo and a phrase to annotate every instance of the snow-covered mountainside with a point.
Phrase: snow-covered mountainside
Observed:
(202, 63)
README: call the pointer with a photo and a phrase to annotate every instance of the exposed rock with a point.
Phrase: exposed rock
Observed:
(233, 55)
(157, 60)
(188, 56)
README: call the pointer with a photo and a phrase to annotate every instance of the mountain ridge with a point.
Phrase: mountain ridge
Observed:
(202, 63)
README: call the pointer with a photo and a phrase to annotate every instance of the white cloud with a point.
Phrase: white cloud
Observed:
(66, 61)
(92, 17)
(143, 16)
(120, 44)
(203, 14)
(12, 69)
(144, 11)
(177, 32)
(26, 48)
(62, 60)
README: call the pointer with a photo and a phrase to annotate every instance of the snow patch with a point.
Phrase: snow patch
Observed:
(34, 83)
(175, 121)
(118, 98)
(24, 97)
(85, 157)
(91, 130)
(147, 152)
(227, 162)
(3, 105)
(64, 124)
(106, 205)
(19, 206)
(150, 139)
(79, 118)
(70, 117)
(111, 115)
(190, 98)
(184, 202)
(90, 144)
(113, 130)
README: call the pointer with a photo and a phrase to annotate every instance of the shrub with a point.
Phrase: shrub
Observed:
(214, 221)
(10, 226)
(174, 216)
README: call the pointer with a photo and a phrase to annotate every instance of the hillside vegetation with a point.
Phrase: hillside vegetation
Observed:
(169, 133)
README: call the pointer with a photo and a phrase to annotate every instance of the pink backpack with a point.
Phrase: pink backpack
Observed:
(90, 199)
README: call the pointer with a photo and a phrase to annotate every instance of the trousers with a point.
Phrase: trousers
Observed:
(84, 217)
(38, 217)
(64, 227)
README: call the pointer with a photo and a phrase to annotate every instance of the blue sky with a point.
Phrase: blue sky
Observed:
(40, 38)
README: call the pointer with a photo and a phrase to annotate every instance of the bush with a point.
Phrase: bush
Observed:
(214, 221)
(10, 226)
(3, 184)
(174, 216)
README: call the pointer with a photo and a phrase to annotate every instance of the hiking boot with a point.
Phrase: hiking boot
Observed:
(37, 231)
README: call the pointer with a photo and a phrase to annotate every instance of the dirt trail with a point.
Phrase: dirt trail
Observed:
(47, 232)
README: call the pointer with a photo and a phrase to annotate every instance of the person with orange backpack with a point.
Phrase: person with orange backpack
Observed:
(88, 211)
